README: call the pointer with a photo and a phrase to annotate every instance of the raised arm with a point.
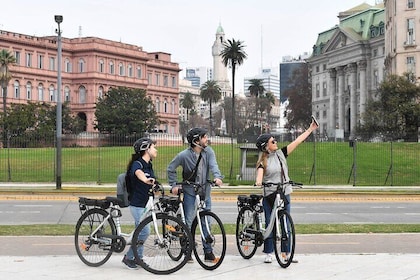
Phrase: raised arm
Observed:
(292, 146)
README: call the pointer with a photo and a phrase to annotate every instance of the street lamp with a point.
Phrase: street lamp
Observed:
(58, 19)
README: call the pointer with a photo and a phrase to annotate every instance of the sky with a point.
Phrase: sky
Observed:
(269, 29)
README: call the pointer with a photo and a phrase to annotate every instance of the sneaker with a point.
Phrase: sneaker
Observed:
(190, 260)
(209, 257)
(268, 258)
(131, 264)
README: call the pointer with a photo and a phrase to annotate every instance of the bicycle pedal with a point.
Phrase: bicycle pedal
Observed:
(170, 228)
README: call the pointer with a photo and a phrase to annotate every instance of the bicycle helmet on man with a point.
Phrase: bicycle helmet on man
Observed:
(142, 144)
(195, 134)
(262, 141)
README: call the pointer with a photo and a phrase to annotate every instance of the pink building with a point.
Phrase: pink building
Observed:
(90, 66)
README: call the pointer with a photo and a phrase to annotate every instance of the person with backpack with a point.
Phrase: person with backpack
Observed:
(141, 178)
(198, 162)
(272, 168)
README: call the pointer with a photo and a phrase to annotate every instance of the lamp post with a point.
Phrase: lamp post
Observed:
(58, 19)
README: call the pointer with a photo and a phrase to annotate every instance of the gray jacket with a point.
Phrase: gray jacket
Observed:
(187, 159)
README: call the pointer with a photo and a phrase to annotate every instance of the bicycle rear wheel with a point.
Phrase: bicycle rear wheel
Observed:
(246, 232)
(94, 249)
(162, 247)
(211, 250)
(285, 239)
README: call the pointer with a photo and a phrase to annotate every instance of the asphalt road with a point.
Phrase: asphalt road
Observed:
(14, 212)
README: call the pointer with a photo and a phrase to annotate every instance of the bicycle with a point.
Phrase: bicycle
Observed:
(98, 234)
(250, 232)
(207, 228)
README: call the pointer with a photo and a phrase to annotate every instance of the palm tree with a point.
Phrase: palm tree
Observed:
(187, 102)
(6, 59)
(233, 55)
(256, 89)
(210, 92)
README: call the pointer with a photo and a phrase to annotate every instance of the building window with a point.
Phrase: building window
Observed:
(129, 70)
(28, 60)
(52, 95)
(411, 65)
(121, 69)
(157, 105)
(81, 66)
(173, 82)
(67, 66)
(173, 106)
(375, 78)
(111, 67)
(101, 66)
(101, 92)
(17, 56)
(165, 81)
(16, 89)
(375, 53)
(410, 32)
(157, 79)
(52, 64)
(317, 90)
(149, 78)
(410, 4)
(41, 92)
(28, 90)
(82, 95)
(67, 94)
(139, 72)
(165, 106)
(324, 67)
(324, 89)
(40, 61)
(317, 69)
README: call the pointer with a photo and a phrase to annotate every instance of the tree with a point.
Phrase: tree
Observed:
(266, 102)
(187, 102)
(210, 92)
(395, 112)
(256, 89)
(6, 59)
(233, 55)
(125, 111)
(299, 109)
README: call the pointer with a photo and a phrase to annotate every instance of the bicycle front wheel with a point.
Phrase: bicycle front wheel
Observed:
(246, 232)
(209, 240)
(285, 239)
(94, 249)
(162, 246)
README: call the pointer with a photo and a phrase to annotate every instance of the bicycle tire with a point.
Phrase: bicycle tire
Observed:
(285, 238)
(245, 241)
(94, 252)
(216, 240)
(156, 250)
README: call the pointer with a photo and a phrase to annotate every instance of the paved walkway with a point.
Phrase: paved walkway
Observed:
(312, 266)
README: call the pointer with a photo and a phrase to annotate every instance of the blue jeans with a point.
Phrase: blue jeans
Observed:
(137, 212)
(189, 207)
(269, 243)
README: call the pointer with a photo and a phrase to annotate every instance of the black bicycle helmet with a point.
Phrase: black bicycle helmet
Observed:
(262, 141)
(142, 144)
(195, 134)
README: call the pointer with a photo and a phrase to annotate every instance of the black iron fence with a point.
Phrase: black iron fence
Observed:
(98, 158)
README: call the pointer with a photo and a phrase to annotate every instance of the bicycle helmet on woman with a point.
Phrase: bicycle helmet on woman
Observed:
(142, 144)
(262, 141)
(195, 134)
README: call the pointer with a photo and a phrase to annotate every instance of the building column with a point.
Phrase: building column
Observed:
(363, 90)
(332, 90)
(340, 72)
(352, 69)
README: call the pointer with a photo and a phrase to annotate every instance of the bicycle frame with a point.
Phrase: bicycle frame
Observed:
(149, 208)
